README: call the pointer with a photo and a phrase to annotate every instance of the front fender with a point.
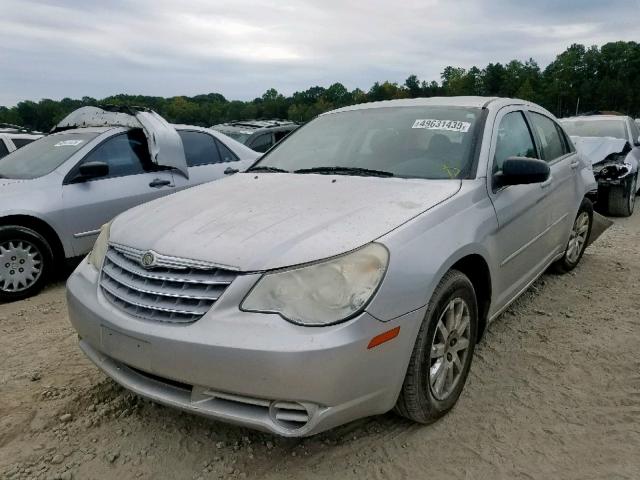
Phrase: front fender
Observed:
(423, 250)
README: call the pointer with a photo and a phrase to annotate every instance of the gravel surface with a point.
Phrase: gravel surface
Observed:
(554, 392)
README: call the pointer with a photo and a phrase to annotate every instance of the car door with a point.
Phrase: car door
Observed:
(564, 163)
(133, 179)
(207, 158)
(520, 243)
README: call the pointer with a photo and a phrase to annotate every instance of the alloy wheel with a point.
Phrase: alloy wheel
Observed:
(449, 348)
(578, 237)
(20, 265)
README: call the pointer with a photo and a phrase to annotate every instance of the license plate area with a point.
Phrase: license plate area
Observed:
(126, 349)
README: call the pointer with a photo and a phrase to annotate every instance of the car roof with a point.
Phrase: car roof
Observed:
(597, 117)
(252, 126)
(22, 135)
(462, 101)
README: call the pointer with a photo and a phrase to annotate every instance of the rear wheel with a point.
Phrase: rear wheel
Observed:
(578, 239)
(25, 262)
(622, 199)
(443, 351)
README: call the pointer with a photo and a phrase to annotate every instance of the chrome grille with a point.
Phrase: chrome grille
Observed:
(174, 290)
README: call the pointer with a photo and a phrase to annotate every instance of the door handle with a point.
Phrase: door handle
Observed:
(575, 164)
(156, 183)
(546, 183)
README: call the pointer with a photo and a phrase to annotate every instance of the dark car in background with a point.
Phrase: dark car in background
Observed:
(258, 135)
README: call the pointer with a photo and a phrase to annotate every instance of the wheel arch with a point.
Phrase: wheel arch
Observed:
(476, 268)
(40, 226)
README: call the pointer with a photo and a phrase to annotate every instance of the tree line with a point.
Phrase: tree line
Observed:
(581, 79)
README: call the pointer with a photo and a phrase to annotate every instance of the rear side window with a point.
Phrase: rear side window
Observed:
(262, 143)
(3, 149)
(552, 145)
(199, 148)
(568, 146)
(514, 140)
(226, 155)
(21, 142)
(126, 154)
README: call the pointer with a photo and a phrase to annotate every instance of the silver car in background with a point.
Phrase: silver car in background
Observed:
(13, 137)
(56, 192)
(348, 272)
(611, 143)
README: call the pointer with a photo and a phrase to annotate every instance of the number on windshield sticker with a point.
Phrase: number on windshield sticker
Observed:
(449, 125)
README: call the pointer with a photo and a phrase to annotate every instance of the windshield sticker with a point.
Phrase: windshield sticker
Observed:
(453, 172)
(449, 125)
(68, 143)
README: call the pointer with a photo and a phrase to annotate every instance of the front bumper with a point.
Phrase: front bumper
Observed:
(252, 369)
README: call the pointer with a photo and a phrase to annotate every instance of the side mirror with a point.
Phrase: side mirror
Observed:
(230, 171)
(521, 171)
(91, 170)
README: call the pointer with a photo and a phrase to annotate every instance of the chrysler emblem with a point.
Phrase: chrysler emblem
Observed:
(148, 260)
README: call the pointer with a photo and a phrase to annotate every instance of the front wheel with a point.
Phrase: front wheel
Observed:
(578, 238)
(443, 351)
(622, 199)
(25, 261)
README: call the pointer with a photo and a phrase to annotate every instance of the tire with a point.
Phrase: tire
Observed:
(578, 240)
(23, 251)
(419, 398)
(622, 199)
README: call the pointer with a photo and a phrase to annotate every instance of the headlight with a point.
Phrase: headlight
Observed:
(322, 293)
(96, 256)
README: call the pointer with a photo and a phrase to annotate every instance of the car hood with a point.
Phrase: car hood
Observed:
(165, 144)
(597, 149)
(254, 222)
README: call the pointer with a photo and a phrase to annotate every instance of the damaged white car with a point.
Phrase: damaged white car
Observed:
(612, 144)
(56, 192)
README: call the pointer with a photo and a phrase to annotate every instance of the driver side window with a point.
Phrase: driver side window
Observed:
(514, 140)
(125, 154)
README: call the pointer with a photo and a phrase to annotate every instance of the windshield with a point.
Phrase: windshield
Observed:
(596, 128)
(43, 156)
(411, 142)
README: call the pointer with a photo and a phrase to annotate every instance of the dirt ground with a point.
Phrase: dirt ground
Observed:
(554, 393)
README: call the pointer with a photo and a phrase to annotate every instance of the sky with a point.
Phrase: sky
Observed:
(241, 48)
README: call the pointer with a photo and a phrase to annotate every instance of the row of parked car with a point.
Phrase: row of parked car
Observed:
(349, 270)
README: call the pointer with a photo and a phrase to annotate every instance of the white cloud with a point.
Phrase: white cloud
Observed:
(242, 47)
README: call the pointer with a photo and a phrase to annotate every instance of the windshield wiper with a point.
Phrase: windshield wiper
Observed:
(365, 172)
(265, 168)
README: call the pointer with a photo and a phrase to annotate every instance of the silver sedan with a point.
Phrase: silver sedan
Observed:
(56, 192)
(348, 272)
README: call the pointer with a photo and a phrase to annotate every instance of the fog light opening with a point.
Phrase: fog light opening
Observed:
(289, 415)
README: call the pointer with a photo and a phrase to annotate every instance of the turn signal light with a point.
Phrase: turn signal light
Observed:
(383, 337)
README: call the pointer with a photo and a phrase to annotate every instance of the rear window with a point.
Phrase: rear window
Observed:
(199, 148)
(241, 137)
(596, 128)
(44, 155)
(21, 142)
